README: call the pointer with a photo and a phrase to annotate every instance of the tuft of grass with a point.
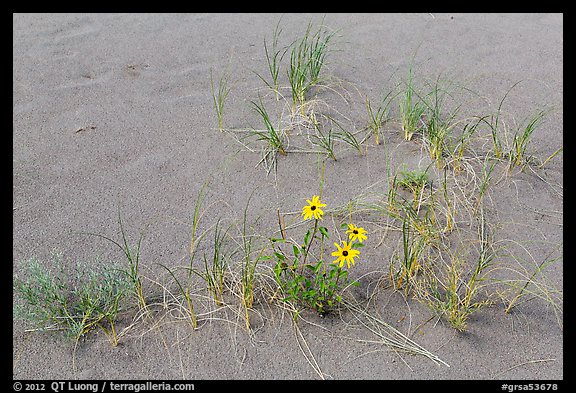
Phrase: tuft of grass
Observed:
(494, 124)
(219, 96)
(411, 109)
(273, 136)
(412, 249)
(454, 292)
(195, 240)
(379, 115)
(346, 136)
(274, 57)
(215, 270)
(517, 155)
(531, 286)
(307, 59)
(248, 266)
(132, 254)
(462, 144)
(324, 140)
(439, 126)
(488, 168)
(414, 181)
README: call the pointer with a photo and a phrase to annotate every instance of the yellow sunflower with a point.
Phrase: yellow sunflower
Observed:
(345, 254)
(356, 233)
(313, 208)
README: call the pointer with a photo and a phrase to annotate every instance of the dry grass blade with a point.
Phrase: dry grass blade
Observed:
(389, 335)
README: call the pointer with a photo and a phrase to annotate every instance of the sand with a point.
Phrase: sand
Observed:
(115, 110)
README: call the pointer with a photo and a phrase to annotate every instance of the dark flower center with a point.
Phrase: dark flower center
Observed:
(345, 253)
(355, 231)
(312, 207)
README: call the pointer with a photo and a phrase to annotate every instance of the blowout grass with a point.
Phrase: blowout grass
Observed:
(411, 108)
(274, 57)
(379, 115)
(440, 124)
(521, 139)
(219, 96)
(307, 59)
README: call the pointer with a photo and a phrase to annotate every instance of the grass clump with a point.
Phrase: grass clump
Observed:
(274, 57)
(517, 155)
(439, 124)
(272, 136)
(414, 181)
(377, 116)
(307, 59)
(455, 294)
(132, 254)
(248, 265)
(411, 109)
(219, 96)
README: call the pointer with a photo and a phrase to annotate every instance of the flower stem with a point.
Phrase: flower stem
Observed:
(310, 242)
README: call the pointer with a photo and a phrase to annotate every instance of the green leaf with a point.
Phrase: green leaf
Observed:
(307, 238)
(355, 283)
(277, 240)
(280, 256)
(324, 232)
(265, 258)
(296, 250)
(344, 225)
(311, 293)
(277, 271)
(295, 264)
(357, 245)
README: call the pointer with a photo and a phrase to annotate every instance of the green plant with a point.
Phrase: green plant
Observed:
(214, 272)
(379, 115)
(462, 143)
(530, 284)
(195, 240)
(494, 124)
(248, 265)
(454, 295)
(219, 97)
(324, 140)
(307, 58)
(75, 304)
(411, 110)
(132, 255)
(517, 155)
(488, 168)
(302, 272)
(271, 135)
(412, 248)
(414, 181)
(273, 59)
(346, 136)
(438, 131)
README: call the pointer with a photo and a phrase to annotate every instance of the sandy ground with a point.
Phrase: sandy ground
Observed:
(139, 87)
